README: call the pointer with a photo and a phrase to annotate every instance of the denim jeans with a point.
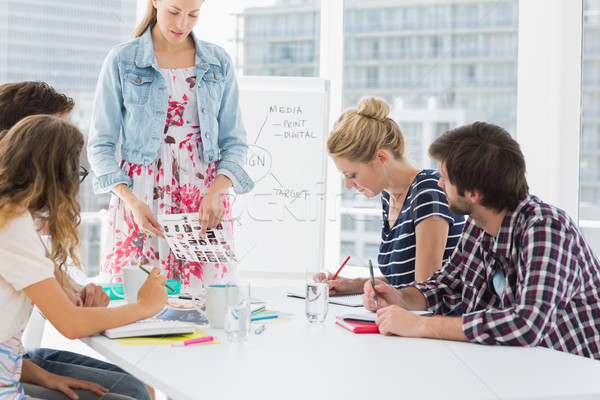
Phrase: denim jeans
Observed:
(78, 366)
(41, 393)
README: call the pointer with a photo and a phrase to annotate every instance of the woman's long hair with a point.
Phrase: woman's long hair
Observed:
(39, 174)
(149, 19)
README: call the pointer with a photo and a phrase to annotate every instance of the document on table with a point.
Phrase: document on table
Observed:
(371, 316)
(149, 327)
(348, 300)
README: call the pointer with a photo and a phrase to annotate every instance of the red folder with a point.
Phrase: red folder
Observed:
(356, 326)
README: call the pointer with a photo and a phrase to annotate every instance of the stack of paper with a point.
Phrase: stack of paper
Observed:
(149, 327)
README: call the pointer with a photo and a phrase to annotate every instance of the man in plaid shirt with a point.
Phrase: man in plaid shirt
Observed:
(521, 272)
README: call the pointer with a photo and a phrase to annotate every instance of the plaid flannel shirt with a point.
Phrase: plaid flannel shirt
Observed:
(552, 295)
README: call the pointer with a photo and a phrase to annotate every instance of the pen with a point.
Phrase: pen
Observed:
(193, 341)
(373, 282)
(180, 297)
(148, 272)
(257, 309)
(338, 271)
(258, 317)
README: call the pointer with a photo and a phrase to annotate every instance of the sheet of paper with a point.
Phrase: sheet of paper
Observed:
(182, 233)
(349, 300)
(153, 340)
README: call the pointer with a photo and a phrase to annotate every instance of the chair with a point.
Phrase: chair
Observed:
(34, 331)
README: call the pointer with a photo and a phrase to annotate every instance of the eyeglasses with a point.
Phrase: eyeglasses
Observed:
(83, 173)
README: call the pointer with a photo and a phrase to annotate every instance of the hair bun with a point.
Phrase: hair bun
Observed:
(372, 107)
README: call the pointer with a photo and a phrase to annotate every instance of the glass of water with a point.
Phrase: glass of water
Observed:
(237, 319)
(317, 296)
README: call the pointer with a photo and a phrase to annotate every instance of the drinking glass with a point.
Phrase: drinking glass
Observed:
(317, 295)
(237, 319)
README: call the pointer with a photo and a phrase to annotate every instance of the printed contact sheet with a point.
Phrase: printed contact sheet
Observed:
(182, 232)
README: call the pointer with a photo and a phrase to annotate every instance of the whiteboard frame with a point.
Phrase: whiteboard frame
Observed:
(296, 85)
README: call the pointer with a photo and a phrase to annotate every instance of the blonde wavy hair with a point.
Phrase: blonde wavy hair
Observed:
(359, 132)
(39, 174)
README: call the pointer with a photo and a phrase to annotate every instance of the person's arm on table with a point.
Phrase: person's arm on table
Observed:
(75, 322)
(408, 298)
(341, 285)
(395, 320)
(90, 295)
(394, 317)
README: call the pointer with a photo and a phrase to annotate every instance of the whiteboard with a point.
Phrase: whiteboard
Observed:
(279, 226)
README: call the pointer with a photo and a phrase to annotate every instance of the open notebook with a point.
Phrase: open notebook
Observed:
(149, 327)
(349, 300)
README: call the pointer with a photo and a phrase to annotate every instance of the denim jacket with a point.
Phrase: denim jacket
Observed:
(131, 105)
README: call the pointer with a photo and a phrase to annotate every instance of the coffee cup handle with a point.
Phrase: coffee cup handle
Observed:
(112, 289)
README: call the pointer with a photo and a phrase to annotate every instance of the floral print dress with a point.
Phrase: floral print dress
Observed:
(175, 182)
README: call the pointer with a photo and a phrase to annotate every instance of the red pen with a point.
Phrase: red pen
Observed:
(338, 271)
(192, 341)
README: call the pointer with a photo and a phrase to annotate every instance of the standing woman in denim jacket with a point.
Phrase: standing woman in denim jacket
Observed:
(171, 101)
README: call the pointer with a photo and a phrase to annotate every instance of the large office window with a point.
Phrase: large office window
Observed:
(64, 43)
(439, 65)
(277, 38)
(589, 184)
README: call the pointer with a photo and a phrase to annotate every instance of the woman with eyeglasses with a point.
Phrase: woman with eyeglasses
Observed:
(39, 179)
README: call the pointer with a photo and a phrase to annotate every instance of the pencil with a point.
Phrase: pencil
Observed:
(339, 269)
(373, 282)
(148, 272)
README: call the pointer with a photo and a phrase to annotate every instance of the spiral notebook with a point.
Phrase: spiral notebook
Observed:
(348, 300)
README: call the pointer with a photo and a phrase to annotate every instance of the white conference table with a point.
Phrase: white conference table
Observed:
(298, 360)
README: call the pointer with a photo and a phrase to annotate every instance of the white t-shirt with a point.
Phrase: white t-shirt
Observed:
(23, 262)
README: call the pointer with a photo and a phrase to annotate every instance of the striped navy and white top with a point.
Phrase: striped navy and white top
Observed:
(397, 249)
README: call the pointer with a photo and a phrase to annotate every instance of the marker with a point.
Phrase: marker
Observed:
(373, 282)
(193, 341)
(180, 297)
(339, 269)
(259, 316)
(148, 272)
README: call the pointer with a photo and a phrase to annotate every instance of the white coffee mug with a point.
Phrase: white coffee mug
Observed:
(133, 278)
(216, 300)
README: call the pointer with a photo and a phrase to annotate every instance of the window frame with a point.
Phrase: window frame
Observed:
(549, 99)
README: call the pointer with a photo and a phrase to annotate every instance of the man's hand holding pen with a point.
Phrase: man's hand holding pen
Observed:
(386, 295)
